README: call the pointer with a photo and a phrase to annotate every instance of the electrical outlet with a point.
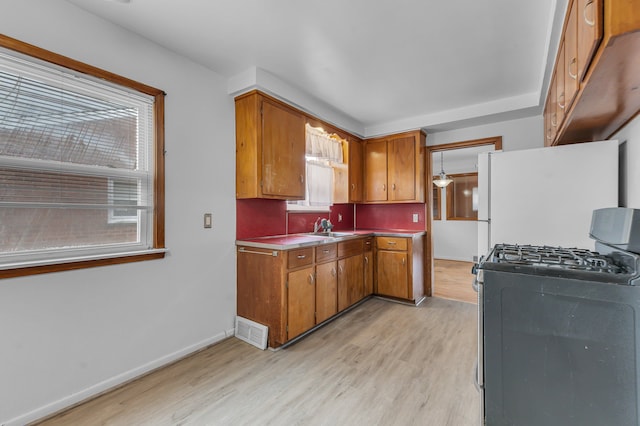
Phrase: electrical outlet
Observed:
(208, 220)
(416, 217)
(339, 217)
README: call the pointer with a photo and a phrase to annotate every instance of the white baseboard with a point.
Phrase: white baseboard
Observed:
(106, 385)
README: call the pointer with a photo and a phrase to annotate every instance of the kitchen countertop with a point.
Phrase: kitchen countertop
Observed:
(293, 241)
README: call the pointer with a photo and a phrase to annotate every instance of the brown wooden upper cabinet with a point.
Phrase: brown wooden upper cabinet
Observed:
(594, 90)
(355, 172)
(270, 149)
(394, 168)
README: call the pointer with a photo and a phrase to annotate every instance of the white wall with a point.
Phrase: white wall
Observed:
(67, 335)
(629, 136)
(522, 133)
(458, 240)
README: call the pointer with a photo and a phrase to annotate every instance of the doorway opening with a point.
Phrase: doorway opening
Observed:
(451, 241)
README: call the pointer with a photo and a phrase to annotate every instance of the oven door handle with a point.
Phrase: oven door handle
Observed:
(475, 379)
(479, 287)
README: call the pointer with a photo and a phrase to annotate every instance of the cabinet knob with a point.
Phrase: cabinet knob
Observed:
(384, 187)
(302, 256)
(301, 179)
(404, 261)
(340, 269)
(311, 279)
(391, 243)
(353, 186)
(393, 187)
(366, 260)
(333, 272)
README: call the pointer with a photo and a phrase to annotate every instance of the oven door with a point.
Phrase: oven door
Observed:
(559, 351)
(479, 371)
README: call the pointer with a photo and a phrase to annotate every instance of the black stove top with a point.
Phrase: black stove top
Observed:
(563, 262)
(554, 257)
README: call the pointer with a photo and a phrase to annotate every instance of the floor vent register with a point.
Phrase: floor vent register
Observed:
(252, 332)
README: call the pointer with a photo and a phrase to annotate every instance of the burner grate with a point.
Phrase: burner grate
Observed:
(554, 257)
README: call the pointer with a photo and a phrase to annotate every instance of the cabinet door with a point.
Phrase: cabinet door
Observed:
(571, 57)
(393, 278)
(589, 33)
(350, 281)
(326, 291)
(355, 172)
(560, 90)
(283, 148)
(340, 184)
(301, 302)
(375, 170)
(368, 273)
(402, 169)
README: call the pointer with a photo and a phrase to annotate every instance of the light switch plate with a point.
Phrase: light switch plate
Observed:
(208, 220)
(416, 217)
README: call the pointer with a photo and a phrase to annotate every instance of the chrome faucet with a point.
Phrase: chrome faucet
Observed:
(323, 225)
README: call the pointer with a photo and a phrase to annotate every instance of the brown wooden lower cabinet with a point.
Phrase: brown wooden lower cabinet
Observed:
(292, 291)
(350, 281)
(393, 274)
(399, 268)
(326, 291)
(301, 301)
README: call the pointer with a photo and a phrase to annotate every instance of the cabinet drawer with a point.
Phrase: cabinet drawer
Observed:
(350, 247)
(326, 252)
(300, 257)
(392, 243)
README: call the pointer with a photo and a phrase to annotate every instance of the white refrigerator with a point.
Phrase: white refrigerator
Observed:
(545, 196)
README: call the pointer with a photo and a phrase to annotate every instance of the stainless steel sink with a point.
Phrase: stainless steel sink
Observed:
(333, 234)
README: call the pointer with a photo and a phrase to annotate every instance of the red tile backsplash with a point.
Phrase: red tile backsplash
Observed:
(261, 218)
(303, 222)
(390, 216)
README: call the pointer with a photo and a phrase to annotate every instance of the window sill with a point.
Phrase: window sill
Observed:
(309, 209)
(80, 262)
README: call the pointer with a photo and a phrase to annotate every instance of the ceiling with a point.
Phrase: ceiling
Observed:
(389, 65)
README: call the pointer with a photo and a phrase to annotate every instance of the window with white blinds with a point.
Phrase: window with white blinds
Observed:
(76, 166)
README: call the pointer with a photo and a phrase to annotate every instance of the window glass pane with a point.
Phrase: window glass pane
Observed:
(436, 201)
(74, 156)
(460, 197)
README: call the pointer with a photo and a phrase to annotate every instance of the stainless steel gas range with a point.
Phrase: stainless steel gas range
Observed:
(559, 329)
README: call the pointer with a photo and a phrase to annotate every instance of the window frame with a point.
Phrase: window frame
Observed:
(450, 197)
(158, 146)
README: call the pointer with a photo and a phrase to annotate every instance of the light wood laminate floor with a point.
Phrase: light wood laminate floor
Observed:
(452, 280)
(382, 363)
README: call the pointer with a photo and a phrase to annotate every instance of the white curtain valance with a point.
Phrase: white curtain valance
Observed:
(321, 145)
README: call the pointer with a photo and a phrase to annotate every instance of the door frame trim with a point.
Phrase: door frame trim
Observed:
(496, 141)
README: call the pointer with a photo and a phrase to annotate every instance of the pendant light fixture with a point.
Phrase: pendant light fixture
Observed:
(442, 180)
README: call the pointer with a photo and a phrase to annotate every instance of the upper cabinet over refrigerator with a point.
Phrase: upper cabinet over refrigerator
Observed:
(545, 196)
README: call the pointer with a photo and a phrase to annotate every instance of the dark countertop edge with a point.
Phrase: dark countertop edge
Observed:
(329, 240)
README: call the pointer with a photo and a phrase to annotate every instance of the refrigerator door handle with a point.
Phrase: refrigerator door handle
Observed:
(484, 220)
